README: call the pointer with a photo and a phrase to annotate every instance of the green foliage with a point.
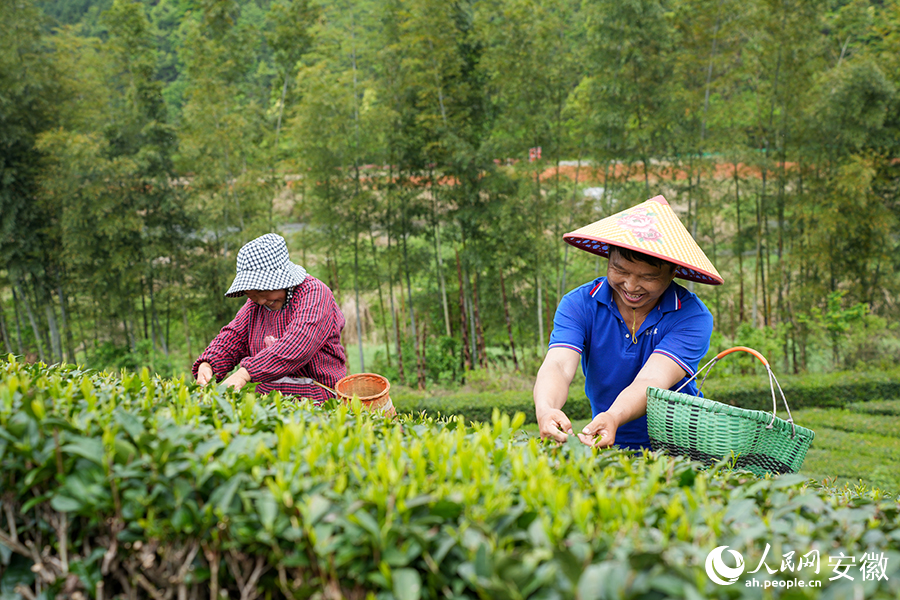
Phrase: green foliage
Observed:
(200, 489)
(146, 141)
(479, 406)
(109, 356)
(856, 443)
(27, 105)
(805, 391)
(442, 363)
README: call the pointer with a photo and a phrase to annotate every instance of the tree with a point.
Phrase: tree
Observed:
(27, 108)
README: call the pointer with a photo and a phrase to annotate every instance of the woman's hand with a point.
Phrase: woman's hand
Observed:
(204, 373)
(238, 379)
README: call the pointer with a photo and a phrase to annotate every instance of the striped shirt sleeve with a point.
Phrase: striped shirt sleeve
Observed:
(229, 346)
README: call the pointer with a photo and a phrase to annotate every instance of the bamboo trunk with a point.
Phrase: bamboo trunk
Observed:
(782, 274)
(715, 252)
(99, 316)
(31, 319)
(154, 315)
(3, 331)
(77, 318)
(479, 330)
(394, 320)
(131, 328)
(168, 321)
(19, 344)
(512, 342)
(187, 332)
(359, 334)
(540, 316)
(377, 272)
(397, 339)
(537, 266)
(464, 329)
(45, 331)
(67, 329)
(55, 338)
(335, 281)
(548, 315)
(763, 259)
(740, 249)
(129, 331)
(420, 359)
(470, 314)
(144, 314)
(412, 312)
(440, 261)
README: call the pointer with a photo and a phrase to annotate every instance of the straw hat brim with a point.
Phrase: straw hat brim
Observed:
(265, 280)
(650, 228)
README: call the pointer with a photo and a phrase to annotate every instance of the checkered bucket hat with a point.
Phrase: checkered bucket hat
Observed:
(263, 264)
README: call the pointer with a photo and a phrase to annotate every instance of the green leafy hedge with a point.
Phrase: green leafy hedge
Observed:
(480, 406)
(134, 486)
(805, 391)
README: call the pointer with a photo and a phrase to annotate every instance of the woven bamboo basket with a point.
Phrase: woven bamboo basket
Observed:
(372, 389)
(709, 431)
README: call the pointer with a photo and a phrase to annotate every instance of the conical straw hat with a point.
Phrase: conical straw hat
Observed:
(652, 228)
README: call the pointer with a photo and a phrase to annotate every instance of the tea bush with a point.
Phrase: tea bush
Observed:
(133, 486)
(801, 391)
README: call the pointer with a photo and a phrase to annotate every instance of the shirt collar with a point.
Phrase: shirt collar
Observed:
(670, 300)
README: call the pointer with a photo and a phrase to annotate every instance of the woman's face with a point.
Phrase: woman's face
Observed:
(271, 299)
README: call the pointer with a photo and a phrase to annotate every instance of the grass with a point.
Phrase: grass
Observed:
(860, 443)
(854, 444)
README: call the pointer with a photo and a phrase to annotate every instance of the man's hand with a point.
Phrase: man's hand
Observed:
(659, 371)
(601, 432)
(204, 373)
(238, 379)
(550, 391)
(554, 423)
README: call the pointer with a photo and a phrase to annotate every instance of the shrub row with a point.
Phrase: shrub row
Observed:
(140, 487)
(801, 391)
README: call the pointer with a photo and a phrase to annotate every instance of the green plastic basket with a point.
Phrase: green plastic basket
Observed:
(709, 431)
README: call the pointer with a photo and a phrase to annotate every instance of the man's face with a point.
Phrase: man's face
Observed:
(271, 299)
(637, 285)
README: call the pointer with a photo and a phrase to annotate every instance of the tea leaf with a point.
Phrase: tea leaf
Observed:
(89, 448)
(407, 584)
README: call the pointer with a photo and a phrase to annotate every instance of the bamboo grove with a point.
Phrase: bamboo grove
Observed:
(424, 158)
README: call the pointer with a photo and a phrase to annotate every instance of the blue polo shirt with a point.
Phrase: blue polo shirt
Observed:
(588, 321)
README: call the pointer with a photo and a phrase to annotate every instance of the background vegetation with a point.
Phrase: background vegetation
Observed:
(145, 142)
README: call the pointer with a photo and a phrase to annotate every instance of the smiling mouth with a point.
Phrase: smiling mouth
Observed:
(632, 297)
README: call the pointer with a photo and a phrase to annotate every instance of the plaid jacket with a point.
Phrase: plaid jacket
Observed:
(308, 329)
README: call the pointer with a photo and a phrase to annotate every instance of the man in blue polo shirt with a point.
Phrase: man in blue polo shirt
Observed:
(632, 329)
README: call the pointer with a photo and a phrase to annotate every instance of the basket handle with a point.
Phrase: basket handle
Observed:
(773, 382)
